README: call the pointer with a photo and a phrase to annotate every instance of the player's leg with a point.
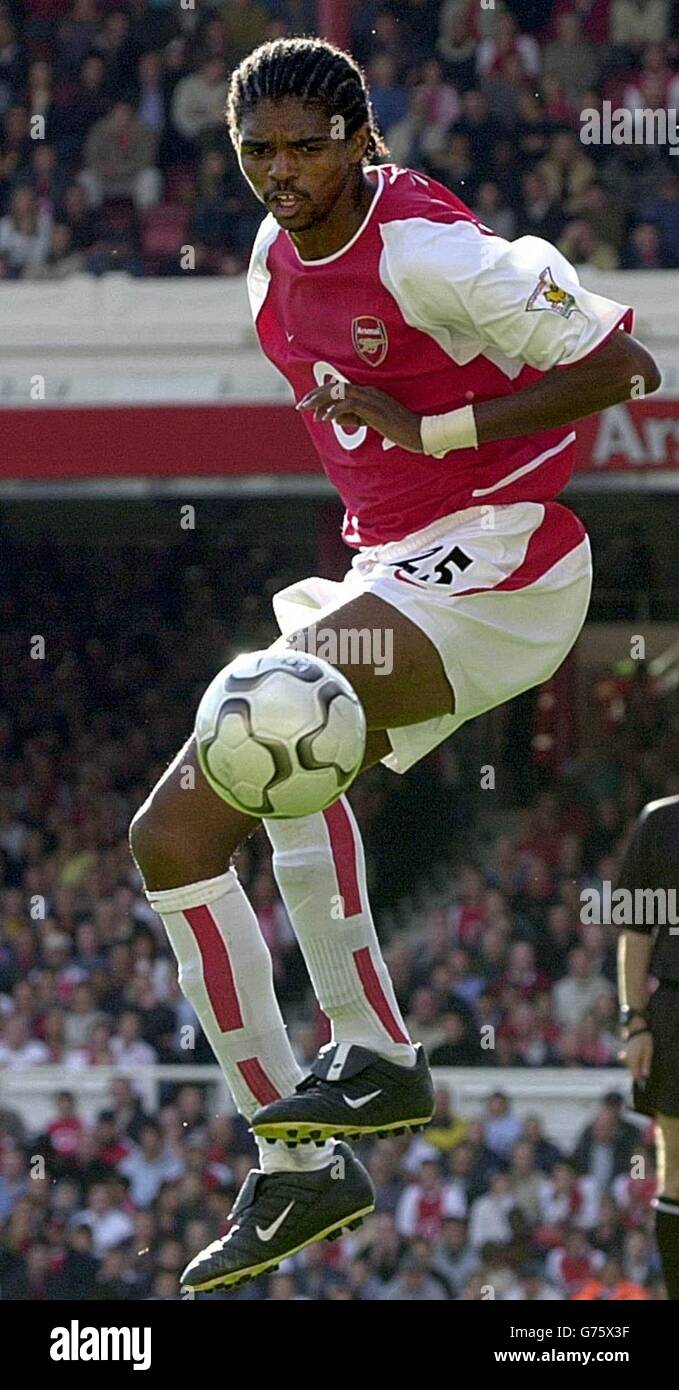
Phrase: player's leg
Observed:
(319, 866)
(667, 1201)
(181, 840)
(184, 833)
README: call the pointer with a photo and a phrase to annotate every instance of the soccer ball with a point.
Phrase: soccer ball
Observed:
(280, 734)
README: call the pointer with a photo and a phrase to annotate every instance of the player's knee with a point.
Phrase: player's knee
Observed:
(152, 836)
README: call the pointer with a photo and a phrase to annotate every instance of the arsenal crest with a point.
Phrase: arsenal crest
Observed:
(370, 338)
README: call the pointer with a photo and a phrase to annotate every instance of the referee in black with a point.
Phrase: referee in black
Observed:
(650, 1026)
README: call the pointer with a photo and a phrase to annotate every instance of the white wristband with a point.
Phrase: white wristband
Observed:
(456, 430)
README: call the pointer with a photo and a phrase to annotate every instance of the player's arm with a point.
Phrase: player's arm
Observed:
(620, 370)
(635, 949)
(634, 958)
(520, 301)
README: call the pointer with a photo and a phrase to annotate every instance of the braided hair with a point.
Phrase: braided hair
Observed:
(315, 71)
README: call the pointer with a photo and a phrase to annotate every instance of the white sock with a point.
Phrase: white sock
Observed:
(319, 865)
(226, 973)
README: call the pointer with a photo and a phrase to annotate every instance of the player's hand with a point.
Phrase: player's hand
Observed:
(352, 406)
(637, 1054)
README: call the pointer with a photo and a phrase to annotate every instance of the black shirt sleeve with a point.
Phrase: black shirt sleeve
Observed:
(652, 858)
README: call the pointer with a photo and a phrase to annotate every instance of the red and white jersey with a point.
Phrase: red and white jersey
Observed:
(430, 306)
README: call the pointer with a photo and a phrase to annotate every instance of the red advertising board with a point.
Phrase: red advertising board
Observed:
(239, 440)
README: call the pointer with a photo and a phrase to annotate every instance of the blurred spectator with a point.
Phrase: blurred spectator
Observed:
(415, 137)
(80, 218)
(80, 111)
(46, 179)
(507, 46)
(581, 246)
(128, 1047)
(427, 1203)
(574, 1265)
(452, 165)
(454, 1261)
(25, 232)
(65, 1130)
(493, 212)
(609, 1283)
(17, 1048)
(389, 97)
(108, 1222)
(489, 1216)
(198, 101)
(13, 1180)
(605, 1147)
(663, 212)
(119, 159)
(480, 127)
(12, 61)
(149, 1166)
(567, 171)
(456, 49)
(414, 1285)
(151, 93)
(644, 251)
(459, 1046)
(77, 35)
(579, 990)
(571, 59)
(114, 43)
(634, 22)
(246, 24)
(502, 1127)
(541, 213)
(447, 1129)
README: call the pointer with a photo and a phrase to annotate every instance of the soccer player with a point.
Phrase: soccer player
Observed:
(438, 369)
(650, 1027)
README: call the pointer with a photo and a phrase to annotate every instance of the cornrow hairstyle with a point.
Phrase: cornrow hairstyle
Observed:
(315, 71)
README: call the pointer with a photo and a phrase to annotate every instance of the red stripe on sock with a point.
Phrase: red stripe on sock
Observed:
(376, 996)
(259, 1083)
(217, 972)
(343, 848)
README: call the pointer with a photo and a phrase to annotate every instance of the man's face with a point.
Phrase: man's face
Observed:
(121, 117)
(287, 148)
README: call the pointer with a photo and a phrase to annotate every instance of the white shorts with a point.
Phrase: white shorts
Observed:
(502, 593)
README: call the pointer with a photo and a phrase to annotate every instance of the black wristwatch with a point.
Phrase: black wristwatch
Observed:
(627, 1016)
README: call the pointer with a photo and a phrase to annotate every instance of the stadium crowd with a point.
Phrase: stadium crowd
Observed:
(493, 961)
(114, 152)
